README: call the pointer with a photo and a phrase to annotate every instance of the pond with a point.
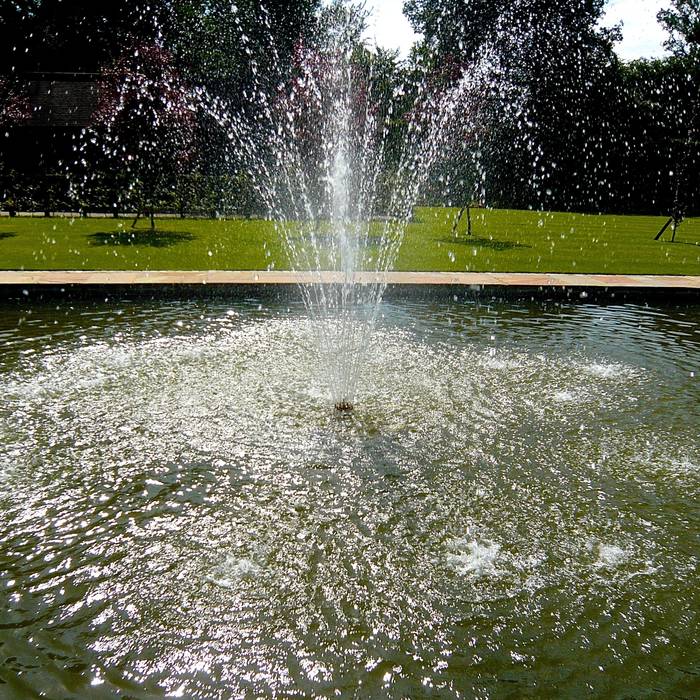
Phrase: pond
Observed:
(511, 510)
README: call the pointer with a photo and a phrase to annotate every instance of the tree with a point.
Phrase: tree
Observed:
(564, 63)
(456, 28)
(234, 52)
(652, 103)
(146, 122)
(554, 73)
(14, 104)
(227, 47)
(15, 110)
(16, 23)
(682, 21)
(75, 36)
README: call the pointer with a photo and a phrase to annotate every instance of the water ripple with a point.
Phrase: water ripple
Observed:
(512, 506)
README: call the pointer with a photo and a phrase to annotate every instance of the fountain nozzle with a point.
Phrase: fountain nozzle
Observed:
(343, 405)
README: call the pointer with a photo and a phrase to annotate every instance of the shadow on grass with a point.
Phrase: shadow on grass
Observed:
(6, 234)
(153, 239)
(677, 242)
(487, 243)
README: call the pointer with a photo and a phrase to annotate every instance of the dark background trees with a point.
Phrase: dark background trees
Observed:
(682, 21)
(76, 36)
(591, 133)
(77, 52)
(145, 124)
(561, 122)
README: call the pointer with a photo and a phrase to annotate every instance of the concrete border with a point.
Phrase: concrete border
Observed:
(262, 277)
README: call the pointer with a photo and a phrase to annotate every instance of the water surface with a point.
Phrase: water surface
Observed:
(511, 511)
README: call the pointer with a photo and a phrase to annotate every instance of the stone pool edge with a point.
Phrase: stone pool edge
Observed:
(521, 280)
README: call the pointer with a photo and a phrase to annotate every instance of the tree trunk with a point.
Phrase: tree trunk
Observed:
(663, 228)
(468, 210)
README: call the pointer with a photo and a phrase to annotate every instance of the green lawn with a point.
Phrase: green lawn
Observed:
(502, 241)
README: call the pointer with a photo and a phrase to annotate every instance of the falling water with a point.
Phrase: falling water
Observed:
(317, 148)
(338, 154)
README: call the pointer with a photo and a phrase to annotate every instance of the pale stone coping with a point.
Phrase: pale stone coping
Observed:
(272, 277)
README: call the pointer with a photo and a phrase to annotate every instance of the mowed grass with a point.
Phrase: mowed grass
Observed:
(501, 241)
(505, 240)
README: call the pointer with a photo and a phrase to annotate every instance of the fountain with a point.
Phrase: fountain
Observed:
(317, 148)
(475, 496)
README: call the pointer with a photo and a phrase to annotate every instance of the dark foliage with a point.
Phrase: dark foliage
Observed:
(565, 126)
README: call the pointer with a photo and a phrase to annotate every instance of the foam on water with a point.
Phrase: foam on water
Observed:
(233, 570)
(471, 557)
(684, 467)
(611, 370)
(611, 555)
